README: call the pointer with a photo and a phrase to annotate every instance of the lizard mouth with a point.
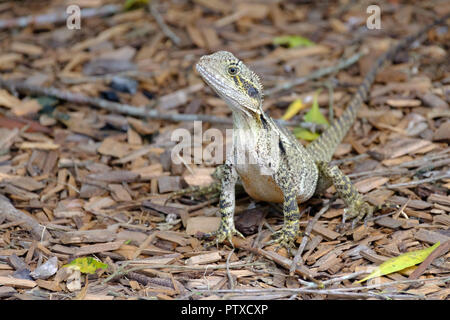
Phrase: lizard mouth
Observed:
(217, 84)
(214, 79)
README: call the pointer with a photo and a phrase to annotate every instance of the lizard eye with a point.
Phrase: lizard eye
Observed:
(233, 70)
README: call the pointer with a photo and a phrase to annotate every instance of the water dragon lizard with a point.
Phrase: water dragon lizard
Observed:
(272, 165)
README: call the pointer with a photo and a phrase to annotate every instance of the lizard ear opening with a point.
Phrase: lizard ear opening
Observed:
(253, 92)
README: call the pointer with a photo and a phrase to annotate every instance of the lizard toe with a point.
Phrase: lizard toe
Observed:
(222, 234)
(284, 238)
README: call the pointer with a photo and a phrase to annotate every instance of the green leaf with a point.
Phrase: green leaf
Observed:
(46, 101)
(133, 4)
(314, 115)
(305, 134)
(293, 41)
(87, 265)
(48, 104)
(401, 262)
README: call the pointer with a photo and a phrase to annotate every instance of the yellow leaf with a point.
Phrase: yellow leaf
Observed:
(401, 262)
(293, 109)
(313, 115)
(87, 265)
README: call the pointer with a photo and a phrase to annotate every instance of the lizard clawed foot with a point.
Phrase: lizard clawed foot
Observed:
(359, 210)
(284, 238)
(225, 232)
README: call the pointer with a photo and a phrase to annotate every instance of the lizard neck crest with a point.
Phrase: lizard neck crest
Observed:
(233, 81)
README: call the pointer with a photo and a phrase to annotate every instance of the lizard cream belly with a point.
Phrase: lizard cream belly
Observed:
(259, 187)
(263, 187)
(252, 158)
(248, 163)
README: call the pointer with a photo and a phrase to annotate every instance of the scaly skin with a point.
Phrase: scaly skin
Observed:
(272, 165)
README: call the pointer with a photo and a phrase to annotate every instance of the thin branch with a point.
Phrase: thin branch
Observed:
(344, 63)
(230, 277)
(164, 27)
(336, 291)
(307, 233)
(442, 249)
(142, 112)
(193, 268)
(387, 284)
(14, 86)
(57, 17)
(418, 182)
(271, 255)
(10, 213)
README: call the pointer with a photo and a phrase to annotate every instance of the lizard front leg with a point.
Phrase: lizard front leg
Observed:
(227, 201)
(286, 236)
(357, 208)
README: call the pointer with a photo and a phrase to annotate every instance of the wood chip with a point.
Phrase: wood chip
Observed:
(202, 224)
(173, 237)
(17, 283)
(7, 291)
(169, 184)
(87, 236)
(430, 237)
(115, 176)
(360, 232)
(49, 285)
(102, 297)
(119, 192)
(388, 222)
(96, 248)
(39, 145)
(445, 200)
(373, 257)
(371, 183)
(400, 147)
(325, 232)
(442, 219)
(403, 102)
(26, 48)
(204, 258)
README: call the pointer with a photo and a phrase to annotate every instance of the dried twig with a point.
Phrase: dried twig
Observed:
(10, 213)
(57, 17)
(418, 182)
(349, 292)
(334, 292)
(193, 268)
(442, 249)
(230, 277)
(307, 233)
(344, 63)
(164, 27)
(271, 255)
(15, 86)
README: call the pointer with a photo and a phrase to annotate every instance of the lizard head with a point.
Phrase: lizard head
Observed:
(232, 80)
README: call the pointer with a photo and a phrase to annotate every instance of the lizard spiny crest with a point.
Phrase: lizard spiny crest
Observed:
(233, 81)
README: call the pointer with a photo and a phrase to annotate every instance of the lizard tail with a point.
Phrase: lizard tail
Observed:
(322, 149)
